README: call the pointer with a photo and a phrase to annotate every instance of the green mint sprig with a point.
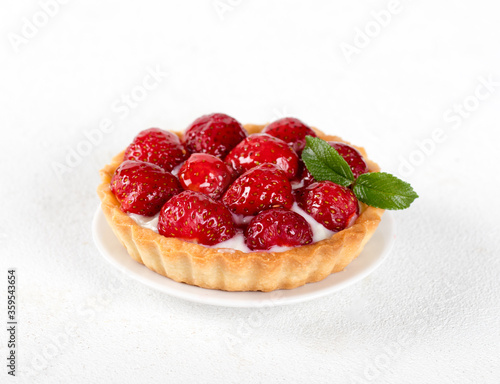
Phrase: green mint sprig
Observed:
(378, 189)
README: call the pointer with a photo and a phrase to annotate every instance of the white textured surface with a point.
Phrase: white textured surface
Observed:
(430, 314)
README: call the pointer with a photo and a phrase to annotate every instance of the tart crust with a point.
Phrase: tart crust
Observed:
(230, 269)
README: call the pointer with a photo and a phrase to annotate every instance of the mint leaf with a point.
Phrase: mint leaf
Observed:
(383, 190)
(325, 163)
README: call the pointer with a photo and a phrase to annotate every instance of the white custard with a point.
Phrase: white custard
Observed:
(237, 242)
(176, 169)
(146, 221)
(242, 219)
(297, 184)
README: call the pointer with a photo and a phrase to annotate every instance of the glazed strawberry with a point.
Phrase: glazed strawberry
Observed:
(158, 147)
(205, 173)
(195, 217)
(262, 148)
(330, 204)
(143, 188)
(352, 157)
(215, 134)
(292, 131)
(263, 187)
(277, 226)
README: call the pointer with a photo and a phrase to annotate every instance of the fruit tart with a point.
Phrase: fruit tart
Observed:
(246, 208)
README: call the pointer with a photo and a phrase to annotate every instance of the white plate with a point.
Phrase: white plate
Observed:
(372, 256)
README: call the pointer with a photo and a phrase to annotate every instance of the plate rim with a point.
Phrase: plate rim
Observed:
(246, 300)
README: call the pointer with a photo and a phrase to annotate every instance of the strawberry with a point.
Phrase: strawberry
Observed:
(330, 204)
(265, 186)
(262, 148)
(292, 131)
(157, 146)
(215, 134)
(277, 227)
(352, 157)
(143, 188)
(195, 217)
(205, 173)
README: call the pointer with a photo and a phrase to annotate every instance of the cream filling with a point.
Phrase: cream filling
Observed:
(237, 242)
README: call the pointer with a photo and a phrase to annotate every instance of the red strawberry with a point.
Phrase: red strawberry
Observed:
(143, 188)
(352, 156)
(157, 146)
(260, 188)
(195, 217)
(330, 204)
(262, 148)
(205, 173)
(215, 134)
(292, 131)
(277, 226)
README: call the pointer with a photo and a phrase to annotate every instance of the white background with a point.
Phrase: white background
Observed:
(430, 314)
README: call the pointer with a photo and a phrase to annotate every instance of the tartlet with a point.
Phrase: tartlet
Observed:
(231, 269)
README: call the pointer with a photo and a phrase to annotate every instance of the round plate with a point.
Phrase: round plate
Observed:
(372, 256)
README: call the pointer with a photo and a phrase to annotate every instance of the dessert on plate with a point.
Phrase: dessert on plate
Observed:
(246, 208)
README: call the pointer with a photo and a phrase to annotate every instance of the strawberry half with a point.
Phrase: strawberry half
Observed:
(277, 227)
(195, 217)
(263, 187)
(205, 173)
(143, 188)
(261, 148)
(352, 157)
(158, 147)
(292, 131)
(330, 204)
(215, 134)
